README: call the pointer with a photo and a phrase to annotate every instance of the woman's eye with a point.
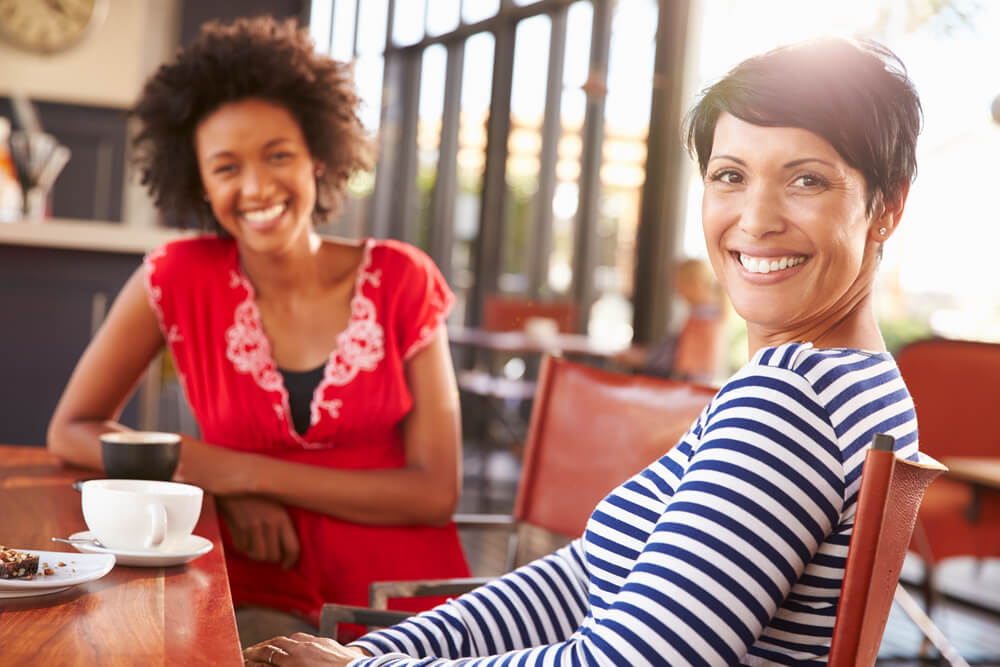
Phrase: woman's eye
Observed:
(809, 180)
(224, 169)
(281, 156)
(727, 176)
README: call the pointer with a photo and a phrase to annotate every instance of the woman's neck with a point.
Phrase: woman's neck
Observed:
(855, 327)
(297, 270)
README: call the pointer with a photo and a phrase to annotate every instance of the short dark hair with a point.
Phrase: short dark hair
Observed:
(249, 58)
(855, 94)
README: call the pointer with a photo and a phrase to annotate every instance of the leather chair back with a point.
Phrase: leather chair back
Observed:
(591, 429)
(953, 384)
(890, 495)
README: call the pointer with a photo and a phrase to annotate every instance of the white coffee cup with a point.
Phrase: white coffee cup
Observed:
(140, 515)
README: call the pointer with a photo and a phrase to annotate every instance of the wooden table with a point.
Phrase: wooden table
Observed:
(983, 474)
(974, 470)
(180, 615)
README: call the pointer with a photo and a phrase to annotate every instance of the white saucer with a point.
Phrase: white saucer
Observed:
(190, 548)
(77, 569)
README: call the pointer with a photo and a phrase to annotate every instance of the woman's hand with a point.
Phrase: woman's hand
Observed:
(301, 650)
(218, 470)
(261, 529)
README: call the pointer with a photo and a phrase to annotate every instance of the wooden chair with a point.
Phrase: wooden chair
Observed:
(591, 429)
(953, 384)
(890, 495)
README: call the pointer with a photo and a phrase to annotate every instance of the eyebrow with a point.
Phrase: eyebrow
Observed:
(270, 144)
(787, 165)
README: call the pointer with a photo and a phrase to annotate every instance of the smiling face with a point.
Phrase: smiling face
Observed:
(258, 174)
(788, 234)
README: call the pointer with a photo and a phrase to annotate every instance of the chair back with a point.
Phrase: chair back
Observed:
(890, 495)
(953, 384)
(591, 429)
(504, 313)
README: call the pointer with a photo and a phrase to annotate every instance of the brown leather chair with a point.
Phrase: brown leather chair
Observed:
(890, 495)
(591, 429)
(954, 385)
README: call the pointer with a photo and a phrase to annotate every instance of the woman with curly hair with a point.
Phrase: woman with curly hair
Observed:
(317, 368)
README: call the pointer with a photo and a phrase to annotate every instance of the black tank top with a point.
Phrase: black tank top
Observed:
(300, 386)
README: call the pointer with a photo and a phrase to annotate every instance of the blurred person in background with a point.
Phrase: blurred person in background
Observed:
(695, 353)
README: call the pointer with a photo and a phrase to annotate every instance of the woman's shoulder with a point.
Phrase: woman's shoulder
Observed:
(398, 252)
(204, 247)
(820, 368)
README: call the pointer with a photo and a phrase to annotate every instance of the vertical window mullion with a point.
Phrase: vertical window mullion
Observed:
(446, 183)
(551, 131)
(585, 234)
(489, 245)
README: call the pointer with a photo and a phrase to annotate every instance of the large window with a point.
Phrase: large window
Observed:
(512, 138)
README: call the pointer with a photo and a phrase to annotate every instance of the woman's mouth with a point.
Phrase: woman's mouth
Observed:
(263, 217)
(769, 264)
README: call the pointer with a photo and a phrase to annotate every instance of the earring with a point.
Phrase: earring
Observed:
(882, 231)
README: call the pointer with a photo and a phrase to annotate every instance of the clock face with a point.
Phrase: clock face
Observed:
(48, 26)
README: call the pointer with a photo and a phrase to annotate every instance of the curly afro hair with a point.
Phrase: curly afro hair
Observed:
(249, 58)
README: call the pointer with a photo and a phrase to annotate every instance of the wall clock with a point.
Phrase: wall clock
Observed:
(49, 26)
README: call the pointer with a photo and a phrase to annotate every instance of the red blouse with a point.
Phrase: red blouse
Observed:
(212, 326)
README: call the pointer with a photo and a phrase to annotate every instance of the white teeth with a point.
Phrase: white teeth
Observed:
(767, 265)
(264, 215)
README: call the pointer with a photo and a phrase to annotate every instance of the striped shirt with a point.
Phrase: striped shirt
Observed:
(728, 550)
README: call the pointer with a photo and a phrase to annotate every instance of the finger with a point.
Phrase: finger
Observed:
(289, 545)
(264, 652)
(272, 543)
(257, 548)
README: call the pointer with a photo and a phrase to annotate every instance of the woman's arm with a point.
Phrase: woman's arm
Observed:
(424, 491)
(759, 496)
(105, 377)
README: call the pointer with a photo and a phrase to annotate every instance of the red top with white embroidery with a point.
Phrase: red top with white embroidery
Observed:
(212, 326)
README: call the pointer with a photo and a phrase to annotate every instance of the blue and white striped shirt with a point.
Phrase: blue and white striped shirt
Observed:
(728, 550)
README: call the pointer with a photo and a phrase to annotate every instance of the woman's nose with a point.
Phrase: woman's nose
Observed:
(762, 212)
(256, 181)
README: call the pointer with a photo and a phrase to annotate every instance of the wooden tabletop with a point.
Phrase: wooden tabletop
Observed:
(181, 615)
(975, 470)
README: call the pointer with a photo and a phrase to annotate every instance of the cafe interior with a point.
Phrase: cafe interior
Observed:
(531, 148)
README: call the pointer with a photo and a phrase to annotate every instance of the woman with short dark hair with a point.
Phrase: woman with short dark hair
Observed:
(730, 549)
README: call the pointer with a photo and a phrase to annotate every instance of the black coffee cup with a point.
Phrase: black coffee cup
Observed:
(140, 454)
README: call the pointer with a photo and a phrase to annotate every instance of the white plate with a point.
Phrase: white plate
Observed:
(78, 569)
(189, 549)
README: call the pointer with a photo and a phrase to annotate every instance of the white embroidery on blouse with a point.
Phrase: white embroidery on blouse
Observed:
(248, 347)
(360, 347)
(441, 306)
(154, 293)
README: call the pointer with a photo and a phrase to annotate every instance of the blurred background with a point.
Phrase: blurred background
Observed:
(532, 148)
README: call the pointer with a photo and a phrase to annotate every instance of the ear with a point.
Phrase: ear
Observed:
(318, 168)
(884, 225)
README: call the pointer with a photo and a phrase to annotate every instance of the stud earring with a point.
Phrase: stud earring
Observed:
(882, 231)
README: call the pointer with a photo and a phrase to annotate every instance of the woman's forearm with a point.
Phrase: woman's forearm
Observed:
(407, 495)
(78, 442)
